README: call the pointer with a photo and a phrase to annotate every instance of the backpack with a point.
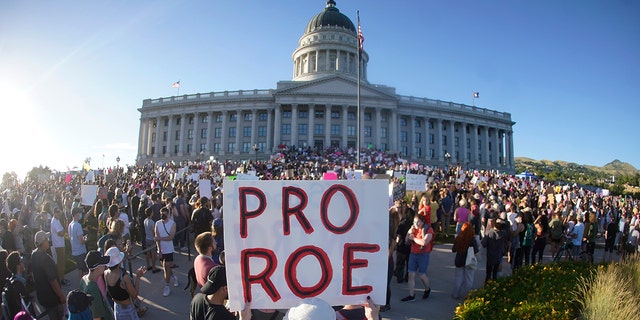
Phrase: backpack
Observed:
(12, 301)
(556, 230)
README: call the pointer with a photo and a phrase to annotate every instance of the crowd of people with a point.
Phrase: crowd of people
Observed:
(155, 207)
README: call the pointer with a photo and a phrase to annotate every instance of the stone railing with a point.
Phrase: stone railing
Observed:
(256, 93)
(451, 105)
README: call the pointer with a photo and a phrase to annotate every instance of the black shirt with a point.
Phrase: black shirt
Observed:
(44, 271)
(201, 309)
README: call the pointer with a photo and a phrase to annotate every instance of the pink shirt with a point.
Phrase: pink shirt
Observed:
(201, 265)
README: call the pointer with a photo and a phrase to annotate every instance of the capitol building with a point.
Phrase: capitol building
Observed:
(320, 107)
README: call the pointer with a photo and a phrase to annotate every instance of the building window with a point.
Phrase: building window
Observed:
(262, 131)
(335, 143)
(383, 132)
(302, 129)
(468, 143)
(303, 114)
(165, 136)
(444, 140)
(403, 122)
(319, 129)
(189, 148)
(166, 122)
(217, 132)
(351, 115)
(262, 116)
(175, 149)
(203, 133)
(246, 147)
(430, 124)
(164, 149)
(178, 121)
(403, 136)
(286, 114)
(285, 142)
(203, 147)
(456, 142)
(205, 119)
(351, 131)
(479, 145)
(416, 123)
(383, 146)
(248, 116)
(335, 130)
(367, 131)
(455, 127)
(177, 135)
(219, 118)
(232, 132)
(335, 114)
(417, 152)
(367, 116)
(384, 117)
(262, 146)
(319, 114)
(286, 128)
(444, 127)
(216, 147)
(432, 138)
(231, 147)
(190, 119)
(432, 153)
(190, 134)
(403, 150)
(489, 145)
(233, 117)
(418, 137)
(457, 154)
(246, 132)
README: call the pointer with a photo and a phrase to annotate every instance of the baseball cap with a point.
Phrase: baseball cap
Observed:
(78, 301)
(311, 308)
(95, 259)
(40, 237)
(216, 279)
(115, 256)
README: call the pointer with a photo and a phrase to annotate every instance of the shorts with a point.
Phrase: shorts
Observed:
(148, 244)
(418, 263)
(167, 257)
(80, 264)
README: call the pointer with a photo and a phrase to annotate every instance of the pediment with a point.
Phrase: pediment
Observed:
(332, 86)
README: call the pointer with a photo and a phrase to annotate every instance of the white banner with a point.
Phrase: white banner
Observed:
(286, 240)
(416, 182)
(88, 193)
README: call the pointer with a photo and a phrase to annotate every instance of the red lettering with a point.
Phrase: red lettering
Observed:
(350, 262)
(245, 214)
(291, 272)
(354, 208)
(287, 211)
(264, 277)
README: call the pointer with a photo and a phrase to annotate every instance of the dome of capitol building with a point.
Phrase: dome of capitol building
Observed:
(325, 104)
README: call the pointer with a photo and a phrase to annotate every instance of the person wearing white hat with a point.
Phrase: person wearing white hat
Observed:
(122, 289)
(46, 278)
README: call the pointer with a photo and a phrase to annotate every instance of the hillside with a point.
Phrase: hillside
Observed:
(616, 167)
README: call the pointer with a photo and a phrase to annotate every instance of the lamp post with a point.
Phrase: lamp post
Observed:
(255, 150)
(118, 162)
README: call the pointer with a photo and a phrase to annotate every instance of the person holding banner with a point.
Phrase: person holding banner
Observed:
(421, 236)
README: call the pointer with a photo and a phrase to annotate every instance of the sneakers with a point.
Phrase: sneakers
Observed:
(166, 291)
(175, 281)
(409, 298)
(426, 293)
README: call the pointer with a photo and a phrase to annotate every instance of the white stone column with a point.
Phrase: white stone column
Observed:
(277, 127)
(451, 143)
(463, 143)
(511, 151)
(239, 122)
(312, 117)
(426, 138)
(183, 135)
(393, 133)
(254, 127)
(294, 125)
(439, 152)
(327, 125)
(485, 146)
(270, 134)
(474, 145)
(149, 133)
(496, 148)
(195, 151)
(209, 140)
(141, 138)
(345, 125)
(378, 126)
(169, 137)
(412, 137)
(225, 132)
(157, 142)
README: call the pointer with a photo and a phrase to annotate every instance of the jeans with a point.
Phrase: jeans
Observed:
(464, 281)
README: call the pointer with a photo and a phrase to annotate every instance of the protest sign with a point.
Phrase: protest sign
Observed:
(204, 186)
(416, 182)
(88, 194)
(286, 240)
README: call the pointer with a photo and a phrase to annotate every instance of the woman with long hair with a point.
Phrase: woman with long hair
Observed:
(464, 275)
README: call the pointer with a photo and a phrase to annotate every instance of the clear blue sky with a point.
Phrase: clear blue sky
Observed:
(74, 73)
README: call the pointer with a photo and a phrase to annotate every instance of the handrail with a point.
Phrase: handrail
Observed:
(133, 256)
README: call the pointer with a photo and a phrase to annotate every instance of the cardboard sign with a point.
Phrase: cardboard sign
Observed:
(286, 240)
(88, 193)
(416, 182)
(204, 187)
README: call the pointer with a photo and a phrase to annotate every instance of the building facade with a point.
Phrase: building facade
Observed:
(319, 108)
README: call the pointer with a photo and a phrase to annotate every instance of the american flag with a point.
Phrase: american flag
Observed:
(176, 85)
(476, 94)
(360, 35)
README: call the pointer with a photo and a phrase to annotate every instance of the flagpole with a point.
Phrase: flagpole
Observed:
(358, 91)
(473, 94)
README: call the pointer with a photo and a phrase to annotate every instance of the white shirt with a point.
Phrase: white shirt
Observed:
(56, 240)
(125, 218)
(163, 229)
